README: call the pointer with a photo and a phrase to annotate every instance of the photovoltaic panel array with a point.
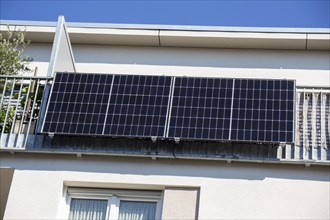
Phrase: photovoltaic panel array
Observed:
(263, 110)
(189, 108)
(114, 105)
(201, 108)
(233, 109)
(78, 104)
(138, 106)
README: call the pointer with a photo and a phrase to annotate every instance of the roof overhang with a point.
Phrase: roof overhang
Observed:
(179, 36)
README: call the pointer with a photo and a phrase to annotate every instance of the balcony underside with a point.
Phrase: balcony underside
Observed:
(22, 112)
(165, 149)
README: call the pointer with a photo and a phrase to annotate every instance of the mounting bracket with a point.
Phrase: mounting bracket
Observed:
(51, 135)
(153, 139)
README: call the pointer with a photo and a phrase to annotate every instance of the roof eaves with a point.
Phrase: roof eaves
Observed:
(171, 27)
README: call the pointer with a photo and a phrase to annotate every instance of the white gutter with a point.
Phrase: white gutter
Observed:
(170, 27)
(182, 36)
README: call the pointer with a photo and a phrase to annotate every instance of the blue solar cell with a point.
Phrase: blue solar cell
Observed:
(252, 112)
(199, 108)
(138, 106)
(259, 110)
(76, 102)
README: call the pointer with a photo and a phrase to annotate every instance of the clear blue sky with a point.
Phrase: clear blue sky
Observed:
(258, 13)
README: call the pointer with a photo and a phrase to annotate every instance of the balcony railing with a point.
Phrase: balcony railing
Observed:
(313, 118)
(24, 99)
(21, 102)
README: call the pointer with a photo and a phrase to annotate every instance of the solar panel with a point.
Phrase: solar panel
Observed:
(138, 106)
(102, 104)
(232, 109)
(201, 108)
(194, 108)
(78, 104)
(263, 110)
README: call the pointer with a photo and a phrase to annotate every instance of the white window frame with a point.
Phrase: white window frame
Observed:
(114, 197)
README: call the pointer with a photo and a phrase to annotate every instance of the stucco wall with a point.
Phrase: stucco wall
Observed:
(40, 53)
(307, 67)
(227, 191)
(237, 191)
(184, 199)
(6, 176)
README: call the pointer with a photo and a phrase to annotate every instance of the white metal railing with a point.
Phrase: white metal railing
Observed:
(313, 118)
(21, 99)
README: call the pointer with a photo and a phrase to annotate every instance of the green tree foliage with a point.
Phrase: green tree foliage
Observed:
(12, 45)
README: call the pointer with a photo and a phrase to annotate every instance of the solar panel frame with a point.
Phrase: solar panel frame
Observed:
(82, 82)
(273, 128)
(204, 127)
(196, 115)
(103, 131)
(153, 96)
(291, 138)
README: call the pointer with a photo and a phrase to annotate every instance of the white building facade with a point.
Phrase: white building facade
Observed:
(45, 177)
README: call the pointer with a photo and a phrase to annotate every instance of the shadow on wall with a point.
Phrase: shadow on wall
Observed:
(199, 57)
(6, 177)
(165, 167)
(40, 52)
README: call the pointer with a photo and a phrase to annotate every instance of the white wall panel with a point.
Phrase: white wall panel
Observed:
(226, 190)
(307, 67)
(40, 53)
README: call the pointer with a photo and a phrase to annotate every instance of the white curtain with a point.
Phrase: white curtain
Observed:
(91, 209)
(130, 210)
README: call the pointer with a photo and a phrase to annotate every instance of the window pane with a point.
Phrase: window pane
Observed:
(131, 210)
(88, 209)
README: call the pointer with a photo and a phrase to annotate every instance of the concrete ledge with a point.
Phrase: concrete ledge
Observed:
(34, 33)
(233, 40)
(318, 41)
(181, 38)
(114, 36)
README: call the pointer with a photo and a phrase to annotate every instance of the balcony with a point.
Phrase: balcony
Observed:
(24, 100)
(21, 103)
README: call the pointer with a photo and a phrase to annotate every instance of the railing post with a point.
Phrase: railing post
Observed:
(24, 112)
(43, 106)
(8, 107)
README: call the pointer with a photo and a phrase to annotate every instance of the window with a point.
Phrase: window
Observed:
(103, 204)
(88, 209)
(137, 210)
